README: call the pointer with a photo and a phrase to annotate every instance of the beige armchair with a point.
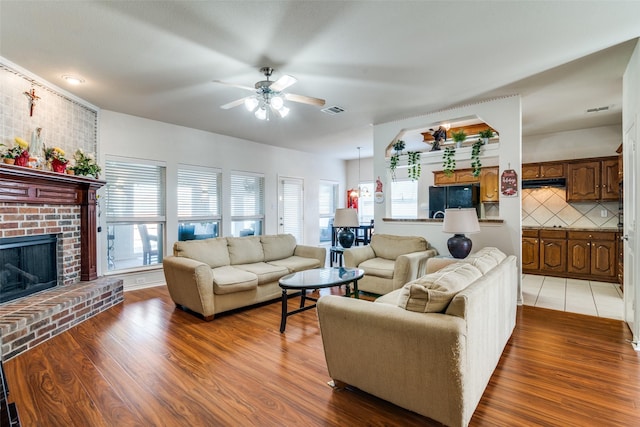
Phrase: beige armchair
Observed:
(389, 261)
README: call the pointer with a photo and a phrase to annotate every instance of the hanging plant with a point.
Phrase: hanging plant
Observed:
(475, 157)
(449, 158)
(414, 165)
(394, 160)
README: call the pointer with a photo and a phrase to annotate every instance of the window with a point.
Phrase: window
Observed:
(247, 204)
(365, 202)
(198, 203)
(135, 207)
(327, 204)
(404, 199)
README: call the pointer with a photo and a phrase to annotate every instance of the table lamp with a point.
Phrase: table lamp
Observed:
(460, 222)
(346, 219)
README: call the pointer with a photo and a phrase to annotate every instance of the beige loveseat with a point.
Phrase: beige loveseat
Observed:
(430, 347)
(389, 261)
(220, 274)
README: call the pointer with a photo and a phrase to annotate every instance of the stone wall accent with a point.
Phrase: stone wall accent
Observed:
(26, 322)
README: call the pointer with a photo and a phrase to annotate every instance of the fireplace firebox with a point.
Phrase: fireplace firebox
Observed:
(28, 264)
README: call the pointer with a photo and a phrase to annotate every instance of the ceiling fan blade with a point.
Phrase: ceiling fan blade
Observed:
(304, 99)
(282, 83)
(234, 103)
(252, 89)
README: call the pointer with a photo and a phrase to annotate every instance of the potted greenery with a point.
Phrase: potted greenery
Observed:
(85, 165)
(449, 160)
(55, 158)
(394, 160)
(459, 137)
(485, 135)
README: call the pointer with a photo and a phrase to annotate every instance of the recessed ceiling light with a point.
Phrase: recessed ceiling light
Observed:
(74, 80)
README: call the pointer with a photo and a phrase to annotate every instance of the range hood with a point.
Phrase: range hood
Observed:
(544, 182)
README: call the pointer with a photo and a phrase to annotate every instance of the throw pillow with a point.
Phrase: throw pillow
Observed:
(433, 292)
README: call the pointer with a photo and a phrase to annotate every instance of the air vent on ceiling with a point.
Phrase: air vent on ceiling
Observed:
(598, 109)
(333, 110)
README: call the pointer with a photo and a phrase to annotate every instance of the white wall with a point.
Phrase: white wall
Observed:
(134, 137)
(631, 131)
(578, 144)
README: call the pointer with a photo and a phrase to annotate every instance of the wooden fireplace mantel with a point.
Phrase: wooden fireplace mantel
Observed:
(25, 185)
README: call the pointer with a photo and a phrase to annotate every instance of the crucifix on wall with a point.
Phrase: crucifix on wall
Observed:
(32, 100)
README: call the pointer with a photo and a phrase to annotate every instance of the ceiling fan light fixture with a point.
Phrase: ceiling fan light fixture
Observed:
(277, 102)
(261, 113)
(284, 111)
(251, 103)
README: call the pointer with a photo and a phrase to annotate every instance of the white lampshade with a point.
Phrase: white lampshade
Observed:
(251, 103)
(460, 221)
(346, 218)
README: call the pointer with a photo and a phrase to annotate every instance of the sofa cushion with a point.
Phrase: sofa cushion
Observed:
(266, 273)
(390, 246)
(486, 259)
(433, 292)
(210, 251)
(278, 247)
(228, 279)
(379, 267)
(245, 250)
(297, 263)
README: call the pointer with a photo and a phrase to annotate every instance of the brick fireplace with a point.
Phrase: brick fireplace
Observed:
(35, 202)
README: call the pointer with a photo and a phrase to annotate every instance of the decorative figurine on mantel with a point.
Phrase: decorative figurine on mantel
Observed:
(37, 149)
(439, 135)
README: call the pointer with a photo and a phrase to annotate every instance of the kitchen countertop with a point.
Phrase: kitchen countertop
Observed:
(608, 229)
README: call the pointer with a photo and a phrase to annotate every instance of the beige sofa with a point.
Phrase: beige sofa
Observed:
(389, 261)
(430, 347)
(216, 275)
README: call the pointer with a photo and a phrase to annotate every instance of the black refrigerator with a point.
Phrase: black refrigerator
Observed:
(453, 196)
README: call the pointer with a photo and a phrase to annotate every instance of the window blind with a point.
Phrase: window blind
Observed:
(247, 196)
(134, 191)
(328, 193)
(292, 208)
(198, 194)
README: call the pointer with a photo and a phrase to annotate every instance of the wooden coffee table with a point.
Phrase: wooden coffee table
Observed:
(316, 278)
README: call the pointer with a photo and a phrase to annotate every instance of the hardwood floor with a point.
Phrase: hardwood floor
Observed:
(144, 363)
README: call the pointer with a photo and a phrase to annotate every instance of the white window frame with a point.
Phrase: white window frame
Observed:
(249, 215)
(206, 212)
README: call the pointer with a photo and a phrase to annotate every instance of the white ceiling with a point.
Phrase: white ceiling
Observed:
(379, 60)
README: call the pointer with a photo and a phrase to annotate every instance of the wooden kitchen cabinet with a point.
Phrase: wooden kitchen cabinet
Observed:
(593, 180)
(592, 253)
(530, 251)
(460, 176)
(587, 255)
(489, 190)
(543, 170)
(553, 251)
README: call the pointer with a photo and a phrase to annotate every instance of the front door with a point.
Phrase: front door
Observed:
(291, 207)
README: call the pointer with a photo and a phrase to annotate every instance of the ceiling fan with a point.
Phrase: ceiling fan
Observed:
(269, 96)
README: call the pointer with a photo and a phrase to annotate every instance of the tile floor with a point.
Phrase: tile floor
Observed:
(599, 299)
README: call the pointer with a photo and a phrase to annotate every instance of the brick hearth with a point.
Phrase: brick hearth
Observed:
(26, 322)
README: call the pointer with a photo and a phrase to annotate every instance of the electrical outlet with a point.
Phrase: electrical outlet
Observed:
(604, 213)
(141, 281)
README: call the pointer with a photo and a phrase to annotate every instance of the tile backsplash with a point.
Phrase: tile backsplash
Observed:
(547, 207)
